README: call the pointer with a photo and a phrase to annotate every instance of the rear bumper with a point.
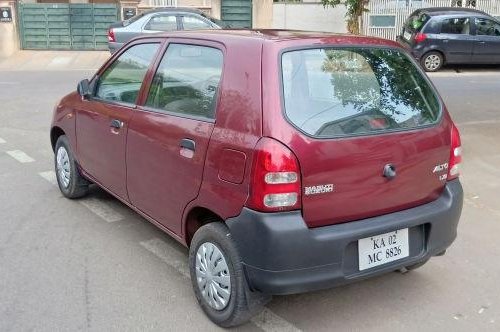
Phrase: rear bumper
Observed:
(281, 255)
(113, 46)
(417, 51)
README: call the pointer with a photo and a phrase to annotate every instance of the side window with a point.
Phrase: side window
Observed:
(187, 81)
(432, 27)
(194, 23)
(122, 80)
(162, 23)
(485, 27)
(456, 26)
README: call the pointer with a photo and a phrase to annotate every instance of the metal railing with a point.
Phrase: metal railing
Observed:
(159, 3)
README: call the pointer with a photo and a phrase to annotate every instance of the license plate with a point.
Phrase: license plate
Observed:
(407, 35)
(384, 248)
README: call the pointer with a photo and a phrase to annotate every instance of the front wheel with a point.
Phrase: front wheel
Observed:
(70, 181)
(432, 61)
(218, 279)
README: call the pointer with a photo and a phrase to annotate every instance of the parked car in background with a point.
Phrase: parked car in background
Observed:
(438, 36)
(160, 20)
(286, 161)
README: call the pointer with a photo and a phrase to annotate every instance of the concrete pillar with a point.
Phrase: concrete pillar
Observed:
(262, 14)
(9, 37)
(215, 11)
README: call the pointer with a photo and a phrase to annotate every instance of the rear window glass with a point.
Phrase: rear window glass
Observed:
(331, 92)
(416, 21)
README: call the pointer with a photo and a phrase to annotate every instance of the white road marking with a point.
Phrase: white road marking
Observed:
(266, 320)
(50, 176)
(2, 141)
(168, 255)
(269, 321)
(95, 205)
(20, 156)
(101, 209)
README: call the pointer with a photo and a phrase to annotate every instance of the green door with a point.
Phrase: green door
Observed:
(66, 26)
(237, 13)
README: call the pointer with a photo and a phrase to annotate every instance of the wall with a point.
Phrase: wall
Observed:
(308, 16)
(9, 41)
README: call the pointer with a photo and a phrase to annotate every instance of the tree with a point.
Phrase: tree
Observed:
(355, 10)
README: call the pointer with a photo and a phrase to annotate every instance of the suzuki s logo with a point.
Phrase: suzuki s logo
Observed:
(320, 189)
(441, 168)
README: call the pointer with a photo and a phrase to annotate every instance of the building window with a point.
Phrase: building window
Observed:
(383, 21)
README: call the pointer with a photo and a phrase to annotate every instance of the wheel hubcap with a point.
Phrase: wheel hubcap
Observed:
(212, 276)
(432, 62)
(63, 167)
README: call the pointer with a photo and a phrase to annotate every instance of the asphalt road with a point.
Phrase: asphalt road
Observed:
(94, 265)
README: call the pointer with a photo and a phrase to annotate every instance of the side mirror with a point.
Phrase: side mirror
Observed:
(84, 88)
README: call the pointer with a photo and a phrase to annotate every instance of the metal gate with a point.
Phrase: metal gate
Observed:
(65, 26)
(385, 18)
(237, 13)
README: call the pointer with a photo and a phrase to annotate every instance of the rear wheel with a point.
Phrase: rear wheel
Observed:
(432, 61)
(70, 181)
(413, 267)
(218, 279)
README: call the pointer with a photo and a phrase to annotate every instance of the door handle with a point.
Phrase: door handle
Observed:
(481, 42)
(445, 40)
(188, 144)
(115, 123)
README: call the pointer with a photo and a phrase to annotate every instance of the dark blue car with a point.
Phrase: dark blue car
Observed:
(438, 36)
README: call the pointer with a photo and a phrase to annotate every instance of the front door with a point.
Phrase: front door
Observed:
(102, 121)
(487, 45)
(169, 135)
(456, 39)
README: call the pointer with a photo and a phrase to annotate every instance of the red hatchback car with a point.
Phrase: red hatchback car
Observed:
(286, 161)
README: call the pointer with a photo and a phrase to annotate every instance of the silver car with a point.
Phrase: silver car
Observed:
(158, 20)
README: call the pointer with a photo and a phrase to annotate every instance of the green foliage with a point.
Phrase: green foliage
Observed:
(355, 10)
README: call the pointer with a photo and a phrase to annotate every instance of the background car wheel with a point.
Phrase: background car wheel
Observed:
(218, 279)
(432, 61)
(70, 181)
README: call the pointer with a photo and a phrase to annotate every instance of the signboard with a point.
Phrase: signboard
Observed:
(129, 13)
(5, 14)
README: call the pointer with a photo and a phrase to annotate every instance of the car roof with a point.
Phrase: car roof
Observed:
(276, 35)
(437, 11)
(173, 9)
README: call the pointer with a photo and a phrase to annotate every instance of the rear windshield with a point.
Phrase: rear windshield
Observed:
(416, 21)
(331, 92)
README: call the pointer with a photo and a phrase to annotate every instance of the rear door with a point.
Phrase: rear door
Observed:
(103, 120)
(487, 44)
(169, 135)
(368, 132)
(456, 39)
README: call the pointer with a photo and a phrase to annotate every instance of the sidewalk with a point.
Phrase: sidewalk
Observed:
(54, 60)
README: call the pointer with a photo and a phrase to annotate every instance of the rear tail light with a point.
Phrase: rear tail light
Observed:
(275, 183)
(420, 37)
(455, 154)
(111, 35)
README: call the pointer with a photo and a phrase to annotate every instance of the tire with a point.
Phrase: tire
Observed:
(416, 266)
(413, 267)
(432, 61)
(241, 304)
(70, 181)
